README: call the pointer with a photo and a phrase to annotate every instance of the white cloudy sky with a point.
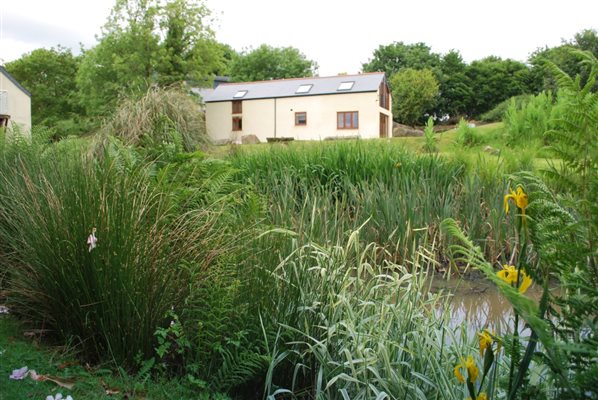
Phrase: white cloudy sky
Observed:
(338, 35)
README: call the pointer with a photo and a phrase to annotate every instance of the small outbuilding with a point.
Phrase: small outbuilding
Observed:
(15, 104)
(316, 108)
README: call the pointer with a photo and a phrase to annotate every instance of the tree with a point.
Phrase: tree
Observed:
(494, 80)
(268, 62)
(146, 42)
(189, 51)
(393, 57)
(414, 92)
(455, 87)
(48, 75)
(565, 58)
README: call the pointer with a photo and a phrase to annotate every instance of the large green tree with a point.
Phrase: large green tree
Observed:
(456, 90)
(189, 50)
(494, 80)
(414, 93)
(48, 75)
(147, 42)
(267, 62)
(393, 57)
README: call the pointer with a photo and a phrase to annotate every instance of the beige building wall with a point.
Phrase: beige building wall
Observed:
(276, 117)
(18, 105)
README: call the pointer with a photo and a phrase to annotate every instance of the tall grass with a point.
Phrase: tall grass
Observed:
(528, 121)
(110, 299)
(327, 191)
(352, 327)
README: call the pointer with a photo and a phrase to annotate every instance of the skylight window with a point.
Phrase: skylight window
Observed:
(346, 85)
(304, 88)
(240, 94)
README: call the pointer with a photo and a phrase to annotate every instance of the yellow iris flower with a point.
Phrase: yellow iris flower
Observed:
(481, 396)
(469, 366)
(485, 341)
(519, 197)
(509, 274)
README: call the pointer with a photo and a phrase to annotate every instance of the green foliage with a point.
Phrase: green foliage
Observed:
(467, 135)
(430, 137)
(530, 120)
(352, 327)
(112, 298)
(188, 51)
(397, 56)
(327, 190)
(48, 75)
(494, 80)
(160, 117)
(267, 62)
(565, 58)
(456, 91)
(498, 112)
(146, 42)
(414, 92)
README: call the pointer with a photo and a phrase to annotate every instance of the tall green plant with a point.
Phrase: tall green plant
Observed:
(429, 137)
(112, 297)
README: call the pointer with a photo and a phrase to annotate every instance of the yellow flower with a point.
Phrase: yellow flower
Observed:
(520, 199)
(509, 275)
(482, 396)
(398, 165)
(485, 341)
(470, 367)
(525, 283)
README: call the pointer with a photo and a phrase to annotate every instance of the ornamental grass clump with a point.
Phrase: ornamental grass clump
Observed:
(108, 298)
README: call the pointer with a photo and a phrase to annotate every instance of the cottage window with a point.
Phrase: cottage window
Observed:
(237, 124)
(346, 85)
(240, 94)
(300, 118)
(304, 88)
(347, 120)
(237, 106)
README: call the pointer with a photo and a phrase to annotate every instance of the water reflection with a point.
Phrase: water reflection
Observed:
(479, 305)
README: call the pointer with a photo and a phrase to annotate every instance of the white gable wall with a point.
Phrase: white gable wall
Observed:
(267, 118)
(18, 105)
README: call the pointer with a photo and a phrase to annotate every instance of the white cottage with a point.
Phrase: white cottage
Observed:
(15, 104)
(314, 108)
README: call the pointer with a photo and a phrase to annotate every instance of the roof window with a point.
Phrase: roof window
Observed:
(304, 88)
(240, 94)
(346, 85)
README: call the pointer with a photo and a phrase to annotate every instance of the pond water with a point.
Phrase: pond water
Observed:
(480, 305)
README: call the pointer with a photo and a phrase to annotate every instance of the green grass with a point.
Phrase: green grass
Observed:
(90, 383)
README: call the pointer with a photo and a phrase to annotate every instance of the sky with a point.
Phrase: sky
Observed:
(339, 35)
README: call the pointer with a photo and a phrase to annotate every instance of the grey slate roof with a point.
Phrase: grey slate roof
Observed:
(369, 82)
(13, 80)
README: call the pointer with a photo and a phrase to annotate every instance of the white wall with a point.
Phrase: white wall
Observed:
(19, 105)
(261, 120)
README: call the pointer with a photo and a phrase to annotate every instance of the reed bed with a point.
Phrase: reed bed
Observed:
(336, 188)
